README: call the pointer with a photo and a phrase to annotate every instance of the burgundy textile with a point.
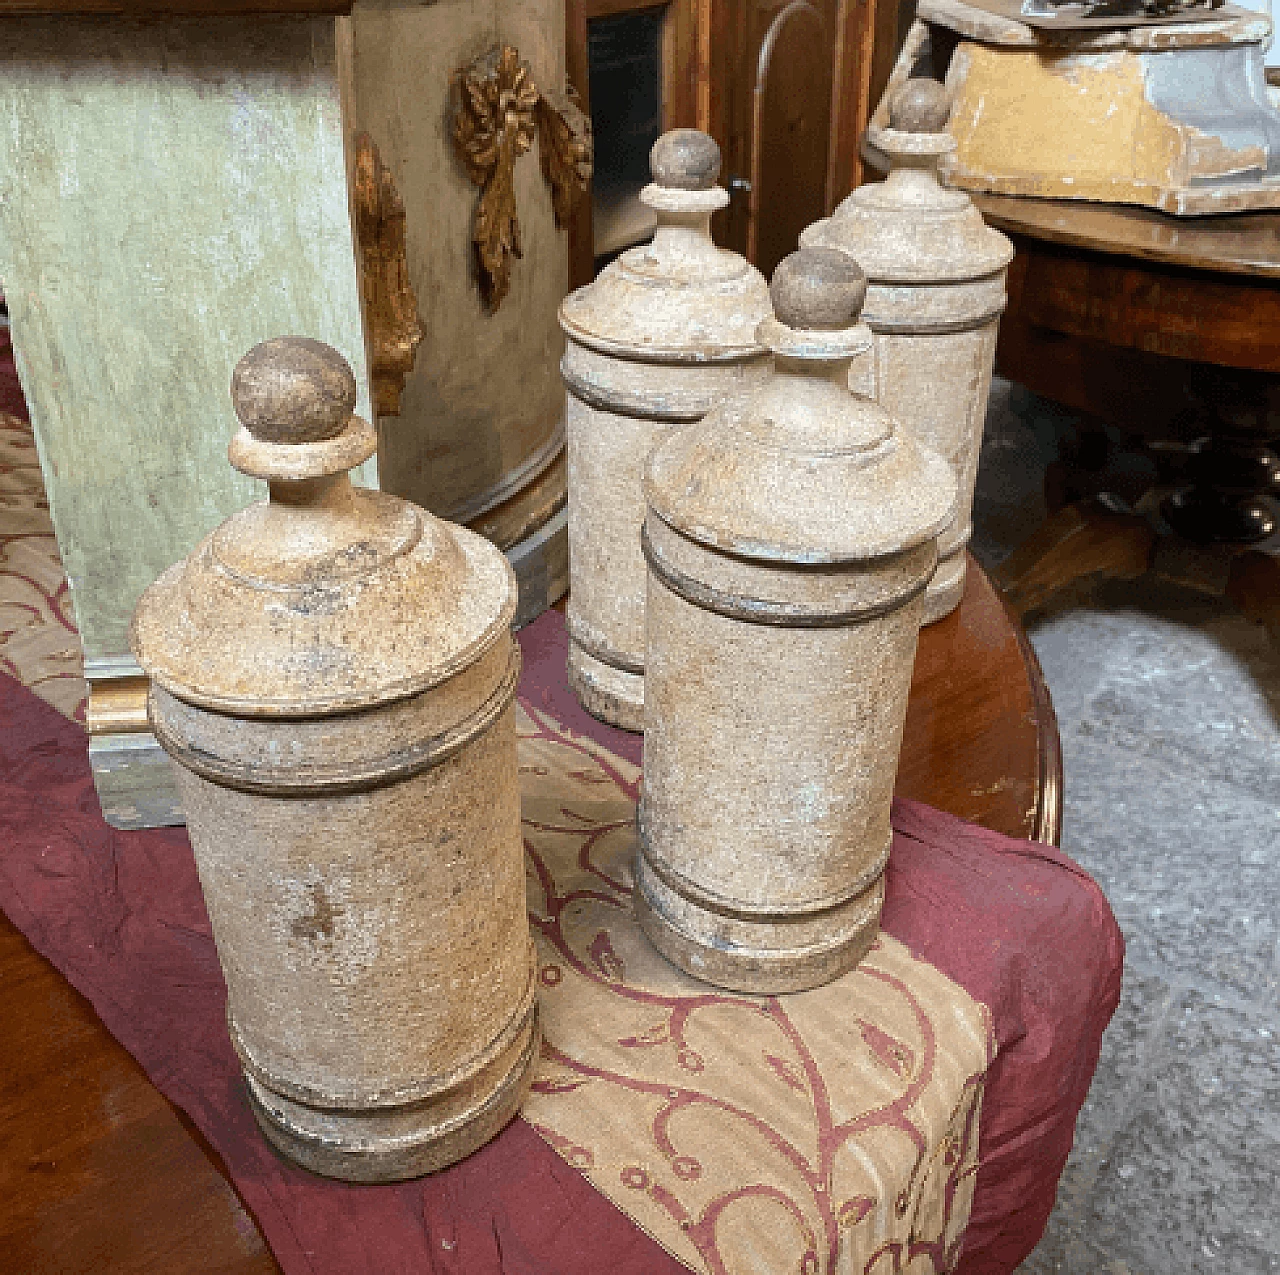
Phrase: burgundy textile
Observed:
(1018, 925)
(11, 399)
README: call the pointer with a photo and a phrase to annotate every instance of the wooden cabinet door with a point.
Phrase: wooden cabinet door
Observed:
(777, 134)
(785, 86)
(792, 84)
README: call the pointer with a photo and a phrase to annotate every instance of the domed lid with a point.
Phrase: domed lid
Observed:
(679, 299)
(325, 597)
(910, 228)
(803, 471)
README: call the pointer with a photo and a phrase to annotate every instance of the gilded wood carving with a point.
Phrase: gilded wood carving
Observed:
(390, 307)
(564, 149)
(498, 113)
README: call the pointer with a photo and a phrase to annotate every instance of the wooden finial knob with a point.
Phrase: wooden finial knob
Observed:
(292, 389)
(920, 106)
(685, 159)
(818, 289)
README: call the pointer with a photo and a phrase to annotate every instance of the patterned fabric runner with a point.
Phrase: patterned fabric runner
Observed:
(833, 1129)
(742, 1133)
(39, 644)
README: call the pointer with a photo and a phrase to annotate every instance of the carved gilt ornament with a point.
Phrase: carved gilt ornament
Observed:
(390, 307)
(498, 113)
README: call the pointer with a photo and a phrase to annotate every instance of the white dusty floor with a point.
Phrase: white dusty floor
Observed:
(1168, 702)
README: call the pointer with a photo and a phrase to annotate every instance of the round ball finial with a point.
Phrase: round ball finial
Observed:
(818, 289)
(920, 106)
(292, 389)
(685, 159)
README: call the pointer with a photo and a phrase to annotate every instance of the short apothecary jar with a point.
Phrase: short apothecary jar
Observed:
(663, 335)
(937, 288)
(333, 672)
(790, 540)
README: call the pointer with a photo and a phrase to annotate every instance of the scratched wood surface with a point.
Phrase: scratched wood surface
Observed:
(99, 1173)
(1236, 243)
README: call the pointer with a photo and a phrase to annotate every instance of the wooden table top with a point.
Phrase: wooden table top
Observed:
(100, 1174)
(170, 8)
(1229, 243)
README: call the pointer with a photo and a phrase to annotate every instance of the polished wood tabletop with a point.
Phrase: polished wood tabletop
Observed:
(1110, 306)
(1229, 243)
(98, 1173)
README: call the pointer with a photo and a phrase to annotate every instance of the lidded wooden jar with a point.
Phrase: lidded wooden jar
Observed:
(936, 276)
(790, 539)
(333, 671)
(665, 333)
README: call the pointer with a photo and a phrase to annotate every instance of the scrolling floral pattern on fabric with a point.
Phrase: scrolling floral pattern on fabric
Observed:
(39, 644)
(833, 1131)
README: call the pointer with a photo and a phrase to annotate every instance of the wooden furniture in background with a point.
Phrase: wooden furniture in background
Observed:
(1168, 330)
(101, 1172)
(790, 85)
(785, 86)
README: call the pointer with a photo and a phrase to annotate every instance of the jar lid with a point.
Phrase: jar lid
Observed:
(325, 598)
(679, 299)
(804, 471)
(910, 228)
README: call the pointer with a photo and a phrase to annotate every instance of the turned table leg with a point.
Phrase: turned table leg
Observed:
(1237, 474)
(1084, 541)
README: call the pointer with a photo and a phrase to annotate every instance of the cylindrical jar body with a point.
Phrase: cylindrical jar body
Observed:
(619, 409)
(776, 698)
(365, 884)
(930, 367)
(936, 276)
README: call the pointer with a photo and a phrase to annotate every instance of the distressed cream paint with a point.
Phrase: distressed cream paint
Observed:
(1175, 116)
(790, 536)
(334, 673)
(480, 435)
(1117, 139)
(666, 333)
(936, 290)
(173, 191)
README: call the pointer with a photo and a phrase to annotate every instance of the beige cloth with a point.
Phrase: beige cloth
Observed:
(830, 1131)
(39, 644)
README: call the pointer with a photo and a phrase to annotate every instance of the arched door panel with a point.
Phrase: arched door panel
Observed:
(790, 131)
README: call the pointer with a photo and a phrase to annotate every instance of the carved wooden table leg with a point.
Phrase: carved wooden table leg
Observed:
(1239, 471)
(1083, 541)
(1079, 472)
(1120, 313)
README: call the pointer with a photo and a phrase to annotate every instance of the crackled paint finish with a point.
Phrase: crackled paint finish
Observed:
(333, 673)
(1114, 126)
(1173, 116)
(663, 335)
(789, 538)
